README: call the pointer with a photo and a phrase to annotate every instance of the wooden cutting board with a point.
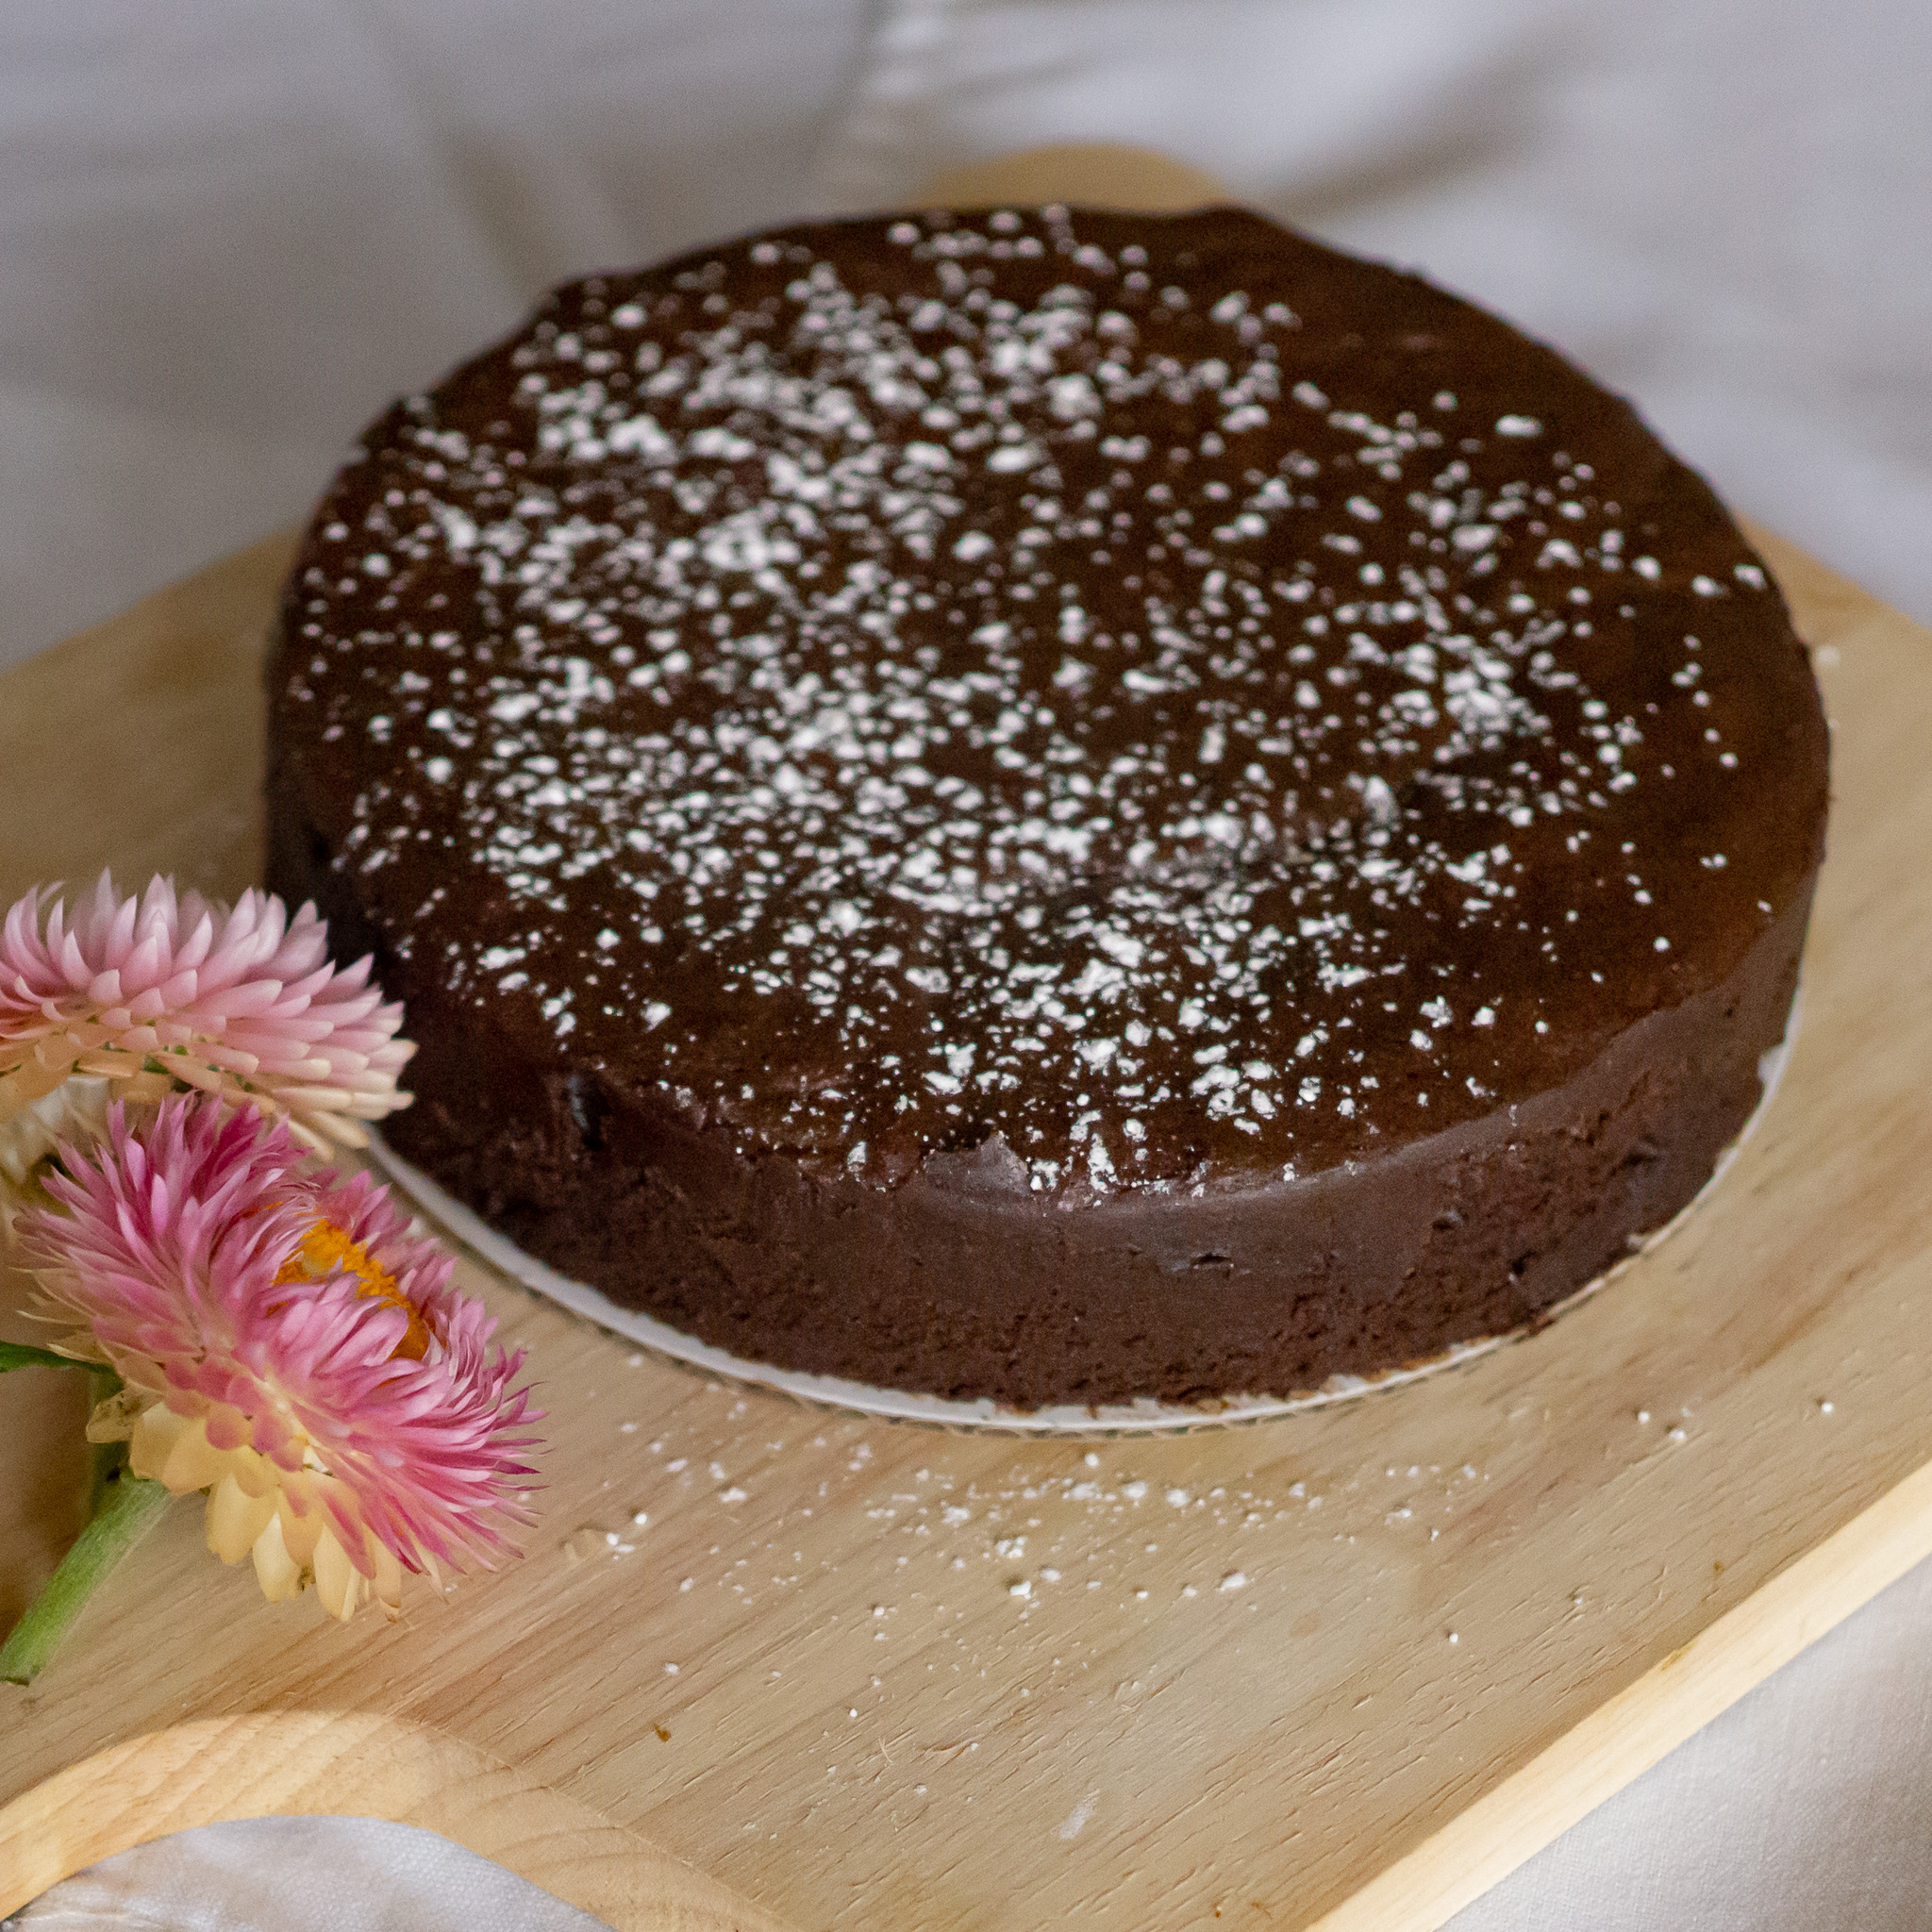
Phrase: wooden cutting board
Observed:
(768, 1666)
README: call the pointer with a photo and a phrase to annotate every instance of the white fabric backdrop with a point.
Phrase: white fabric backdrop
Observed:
(230, 230)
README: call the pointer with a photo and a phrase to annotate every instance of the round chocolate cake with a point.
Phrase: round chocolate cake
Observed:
(1049, 805)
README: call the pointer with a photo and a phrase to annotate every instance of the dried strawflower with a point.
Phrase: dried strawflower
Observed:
(171, 990)
(288, 1345)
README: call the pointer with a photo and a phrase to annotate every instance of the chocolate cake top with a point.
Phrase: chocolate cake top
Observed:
(1151, 699)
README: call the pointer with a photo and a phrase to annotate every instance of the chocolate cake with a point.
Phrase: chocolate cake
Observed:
(1050, 805)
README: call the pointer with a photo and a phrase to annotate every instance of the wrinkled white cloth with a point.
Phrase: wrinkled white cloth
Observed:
(231, 231)
(299, 1875)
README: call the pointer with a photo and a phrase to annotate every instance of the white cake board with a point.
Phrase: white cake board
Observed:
(1144, 1416)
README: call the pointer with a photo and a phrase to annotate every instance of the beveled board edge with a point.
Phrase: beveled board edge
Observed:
(1642, 1723)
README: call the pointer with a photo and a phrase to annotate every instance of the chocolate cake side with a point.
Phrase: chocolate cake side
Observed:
(945, 819)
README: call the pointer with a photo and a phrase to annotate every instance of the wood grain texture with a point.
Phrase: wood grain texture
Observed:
(1350, 1665)
(1087, 174)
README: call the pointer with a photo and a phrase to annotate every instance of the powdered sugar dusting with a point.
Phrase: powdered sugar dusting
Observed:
(863, 668)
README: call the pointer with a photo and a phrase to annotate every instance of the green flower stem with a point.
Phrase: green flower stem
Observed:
(105, 1460)
(22, 1354)
(128, 1510)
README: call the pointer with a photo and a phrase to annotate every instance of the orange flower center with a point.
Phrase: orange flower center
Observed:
(328, 1250)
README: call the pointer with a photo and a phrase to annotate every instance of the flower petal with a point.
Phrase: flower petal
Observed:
(338, 1582)
(278, 1573)
(288, 1343)
(252, 994)
(236, 1518)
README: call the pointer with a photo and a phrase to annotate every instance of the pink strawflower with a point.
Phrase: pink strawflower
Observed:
(287, 1345)
(173, 990)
